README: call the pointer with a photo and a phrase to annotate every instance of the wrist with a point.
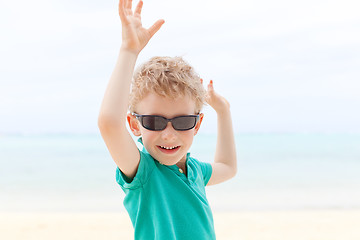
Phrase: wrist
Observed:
(223, 107)
(222, 111)
(128, 51)
(128, 55)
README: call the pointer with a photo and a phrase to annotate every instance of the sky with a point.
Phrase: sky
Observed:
(285, 66)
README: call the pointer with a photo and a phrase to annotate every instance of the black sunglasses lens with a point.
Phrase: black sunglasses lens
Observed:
(184, 123)
(158, 123)
(155, 123)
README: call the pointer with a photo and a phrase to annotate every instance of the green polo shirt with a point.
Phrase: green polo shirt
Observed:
(165, 204)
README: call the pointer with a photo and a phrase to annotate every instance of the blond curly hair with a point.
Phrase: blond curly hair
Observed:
(169, 77)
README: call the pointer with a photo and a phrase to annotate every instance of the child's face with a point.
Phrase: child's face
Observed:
(154, 141)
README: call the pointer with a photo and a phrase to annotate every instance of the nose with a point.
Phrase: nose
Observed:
(169, 133)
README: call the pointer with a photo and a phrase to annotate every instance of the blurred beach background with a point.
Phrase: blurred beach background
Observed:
(276, 172)
(60, 182)
(289, 69)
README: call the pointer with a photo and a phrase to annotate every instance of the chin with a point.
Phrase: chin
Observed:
(167, 161)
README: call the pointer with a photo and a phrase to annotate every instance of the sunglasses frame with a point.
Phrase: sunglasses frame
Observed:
(140, 118)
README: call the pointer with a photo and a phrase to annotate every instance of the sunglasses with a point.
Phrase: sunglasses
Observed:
(158, 123)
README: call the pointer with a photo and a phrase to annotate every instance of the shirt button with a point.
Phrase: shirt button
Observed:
(180, 170)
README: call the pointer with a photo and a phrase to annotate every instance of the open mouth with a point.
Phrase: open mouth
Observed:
(168, 150)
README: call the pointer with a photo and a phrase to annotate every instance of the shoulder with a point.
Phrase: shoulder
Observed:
(144, 171)
(196, 162)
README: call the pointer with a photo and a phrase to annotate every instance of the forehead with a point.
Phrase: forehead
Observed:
(153, 104)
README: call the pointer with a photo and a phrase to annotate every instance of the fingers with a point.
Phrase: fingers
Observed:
(122, 11)
(128, 6)
(210, 92)
(138, 8)
(155, 27)
(211, 86)
(125, 8)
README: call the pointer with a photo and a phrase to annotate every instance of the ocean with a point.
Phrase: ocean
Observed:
(75, 172)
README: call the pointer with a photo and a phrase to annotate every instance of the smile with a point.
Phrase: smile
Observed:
(168, 148)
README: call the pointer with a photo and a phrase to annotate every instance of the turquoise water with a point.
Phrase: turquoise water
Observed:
(276, 171)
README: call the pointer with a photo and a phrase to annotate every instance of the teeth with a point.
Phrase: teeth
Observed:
(168, 148)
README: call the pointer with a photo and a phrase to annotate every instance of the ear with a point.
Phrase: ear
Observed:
(198, 124)
(133, 124)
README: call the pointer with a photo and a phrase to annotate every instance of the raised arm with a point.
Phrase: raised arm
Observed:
(113, 111)
(225, 163)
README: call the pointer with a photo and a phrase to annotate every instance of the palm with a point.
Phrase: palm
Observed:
(134, 35)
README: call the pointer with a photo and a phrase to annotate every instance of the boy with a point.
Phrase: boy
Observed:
(164, 186)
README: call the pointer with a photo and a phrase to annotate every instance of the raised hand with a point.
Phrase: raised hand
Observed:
(134, 35)
(216, 101)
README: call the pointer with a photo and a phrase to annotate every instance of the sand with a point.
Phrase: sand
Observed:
(243, 225)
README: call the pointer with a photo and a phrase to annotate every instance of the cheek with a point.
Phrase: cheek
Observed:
(147, 135)
(188, 135)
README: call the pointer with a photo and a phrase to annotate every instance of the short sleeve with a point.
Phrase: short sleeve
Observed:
(143, 173)
(206, 170)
